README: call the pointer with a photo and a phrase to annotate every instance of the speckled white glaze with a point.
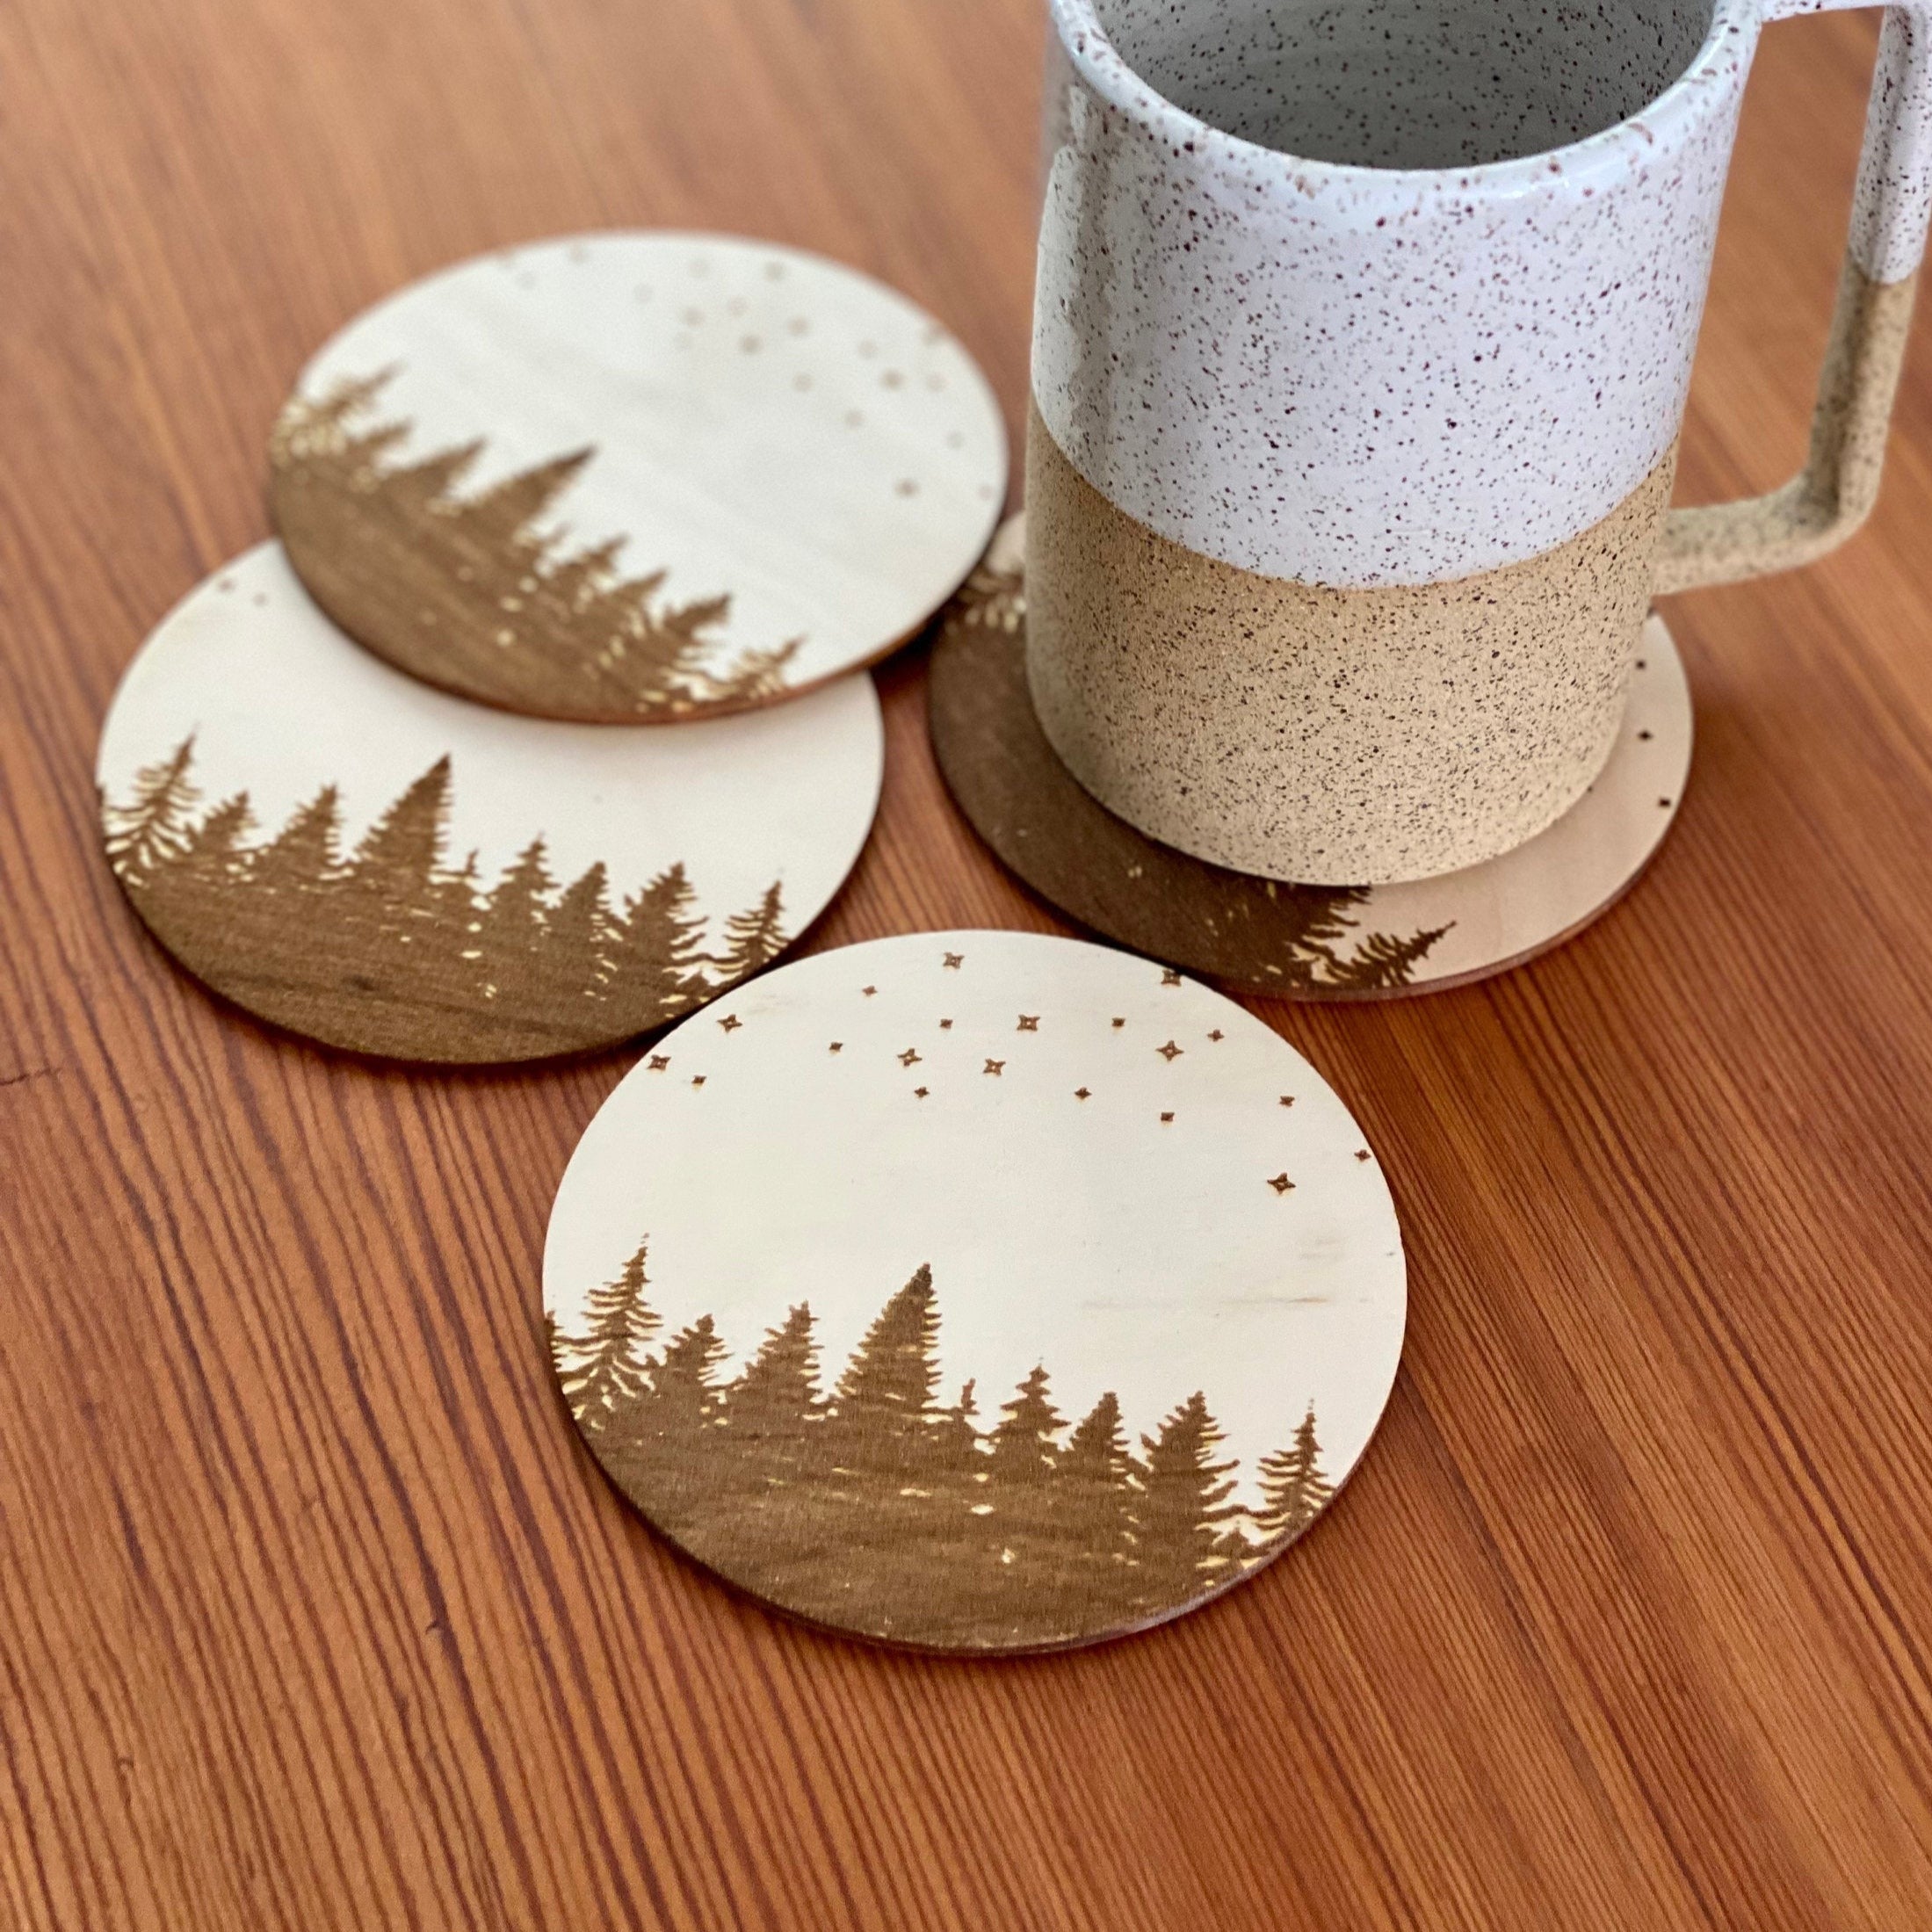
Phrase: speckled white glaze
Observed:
(1364, 375)
(1894, 193)
(1350, 465)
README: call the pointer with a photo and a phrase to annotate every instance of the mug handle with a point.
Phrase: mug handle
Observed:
(1821, 506)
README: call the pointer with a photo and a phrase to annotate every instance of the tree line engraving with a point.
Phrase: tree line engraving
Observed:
(389, 949)
(875, 1508)
(474, 592)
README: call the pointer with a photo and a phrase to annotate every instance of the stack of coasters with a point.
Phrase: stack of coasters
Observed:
(364, 782)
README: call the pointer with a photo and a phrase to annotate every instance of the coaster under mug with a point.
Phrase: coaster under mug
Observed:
(1304, 942)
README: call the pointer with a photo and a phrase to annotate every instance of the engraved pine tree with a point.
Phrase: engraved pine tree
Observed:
(1294, 1488)
(216, 850)
(882, 1408)
(1097, 1481)
(607, 1379)
(388, 948)
(1022, 1461)
(304, 855)
(875, 1508)
(1381, 960)
(152, 826)
(775, 1405)
(753, 939)
(657, 948)
(479, 591)
(1184, 1510)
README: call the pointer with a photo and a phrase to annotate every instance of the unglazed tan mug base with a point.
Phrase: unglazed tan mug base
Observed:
(1328, 943)
(1328, 736)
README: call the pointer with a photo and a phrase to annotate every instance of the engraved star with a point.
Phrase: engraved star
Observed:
(1029, 1022)
(1171, 1052)
(909, 1058)
(1081, 1093)
(1216, 1036)
(1287, 1100)
(660, 1061)
(1282, 1184)
(1118, 1025)
(837, 1046)
(954, 960)
(731, 1022)
(1361, 1153)
(919, 1093)
(993, 1066)
(1169, 977)
(945, 1026)
(868, 990)
(697, 1080)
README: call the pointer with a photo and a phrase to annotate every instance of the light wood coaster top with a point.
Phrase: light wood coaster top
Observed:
(316, 1616)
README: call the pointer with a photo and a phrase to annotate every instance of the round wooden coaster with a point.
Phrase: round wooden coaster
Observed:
(634, 477)
(976, 1290)
(1305, 942)
(359, 858)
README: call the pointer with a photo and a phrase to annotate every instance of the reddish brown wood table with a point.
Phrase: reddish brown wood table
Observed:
(313, 1611)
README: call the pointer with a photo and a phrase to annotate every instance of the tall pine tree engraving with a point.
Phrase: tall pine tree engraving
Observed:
(391, 876)
(657, 950)
(1095, 1488)
(478, 590)
(884, 1479)
(775, 1404)
(685, 1392)
(304, 855)
(601, 1368)
(399, 854)
(152, 826)
(573, 957)
(768, 1453)
(883, 1403)
(390, 950)
(213, 852)
(1021, 1461)
(1294, 1489)
(753, 939)
(1185, 1508)
(509, 926)
(679, 1419)
(1382, 961)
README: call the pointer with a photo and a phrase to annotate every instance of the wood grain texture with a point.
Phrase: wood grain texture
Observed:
(313, 1611)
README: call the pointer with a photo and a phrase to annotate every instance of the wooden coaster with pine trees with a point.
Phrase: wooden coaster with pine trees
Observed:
(475, 593)
(877, 1509)
(389, 949)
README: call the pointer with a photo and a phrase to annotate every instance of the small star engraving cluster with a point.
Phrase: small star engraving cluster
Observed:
(997, 1067)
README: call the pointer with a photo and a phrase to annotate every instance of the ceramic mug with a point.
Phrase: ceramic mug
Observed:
(1348, 468)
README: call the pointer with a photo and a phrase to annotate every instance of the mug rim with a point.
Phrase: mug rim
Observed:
(1101, 65)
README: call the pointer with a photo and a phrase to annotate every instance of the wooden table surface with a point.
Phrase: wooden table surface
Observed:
(313, 1612)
